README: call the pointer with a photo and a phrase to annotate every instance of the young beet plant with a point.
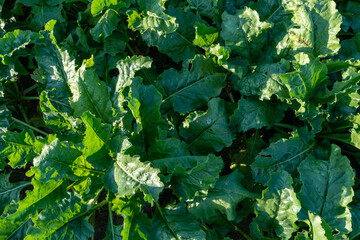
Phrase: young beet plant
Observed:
(167, 119)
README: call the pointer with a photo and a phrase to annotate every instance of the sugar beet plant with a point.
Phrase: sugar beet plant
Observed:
(206, 119)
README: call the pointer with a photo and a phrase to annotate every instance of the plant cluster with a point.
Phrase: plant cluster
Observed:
(168, 119)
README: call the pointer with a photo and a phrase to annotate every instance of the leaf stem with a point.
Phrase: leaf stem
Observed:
(285, 125)
(165, 220)
(241, 232)
(111, 220)
(130, 49)
(29, 98)
(29, 126)
(30, 89)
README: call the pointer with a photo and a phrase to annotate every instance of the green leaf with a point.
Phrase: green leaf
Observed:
(42, 196)
(355, 219)
(327, 189)
(285, 154)
(166, 148)
(207, 132)
(129, 174)
(144, 102)
(320, 229)
(264, 81)
(43, 14)
(252, 113)
(61, 219)
(58, 68)
(99, 5)
(96, 141)
(205, 35)
(244, 33)
(303, 83)
(4, 122)
(177, 45)
(9, 191)
(189, 89)
(16, 40)
(105, 26)
(205, 7)
(155, 23)
(90, 94)
(15, 229)
(278, 208)
(175, 223)
(19, 148)
(350, 48)
(136, 224)
(190, 174)
(316, 24)
(56, 161)
(223, 198)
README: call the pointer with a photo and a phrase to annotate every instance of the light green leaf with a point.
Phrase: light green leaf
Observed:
(175, 223)
(327, 189)
(99, 5)
(19, 148)
(320, 229)
(129, 174)
(156, 23)
(223, 198)
(205, 35)
(15, 229)
(303, 83)
(56, 161)
(189, 89)
(90, 94)
(253, 113)
(207, 132)
(60, 220)
(190, 174)
(105, 26)
(285, 154)
(244, 32)
(9, 191)
(317, 22)
(278, 208)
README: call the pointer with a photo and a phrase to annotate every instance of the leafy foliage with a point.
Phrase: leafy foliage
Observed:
(164, 119)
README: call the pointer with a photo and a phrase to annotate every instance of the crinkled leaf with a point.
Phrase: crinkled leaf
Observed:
(177, 45)
(285, 154)
(223, 198)
(205, 35)
(19, 148)
(105, 26)
(207, 132)
(253, 113)
(175, 223)
(129, 174)
(355, 219)
(302, 84)
(16, 40)
(244, 32)
(278, 208)
(320, 229)
(190, 89)
(204, 7)
(90, 94)
(59, 219)
(190, 174)
(327, 189)
(57, 161)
